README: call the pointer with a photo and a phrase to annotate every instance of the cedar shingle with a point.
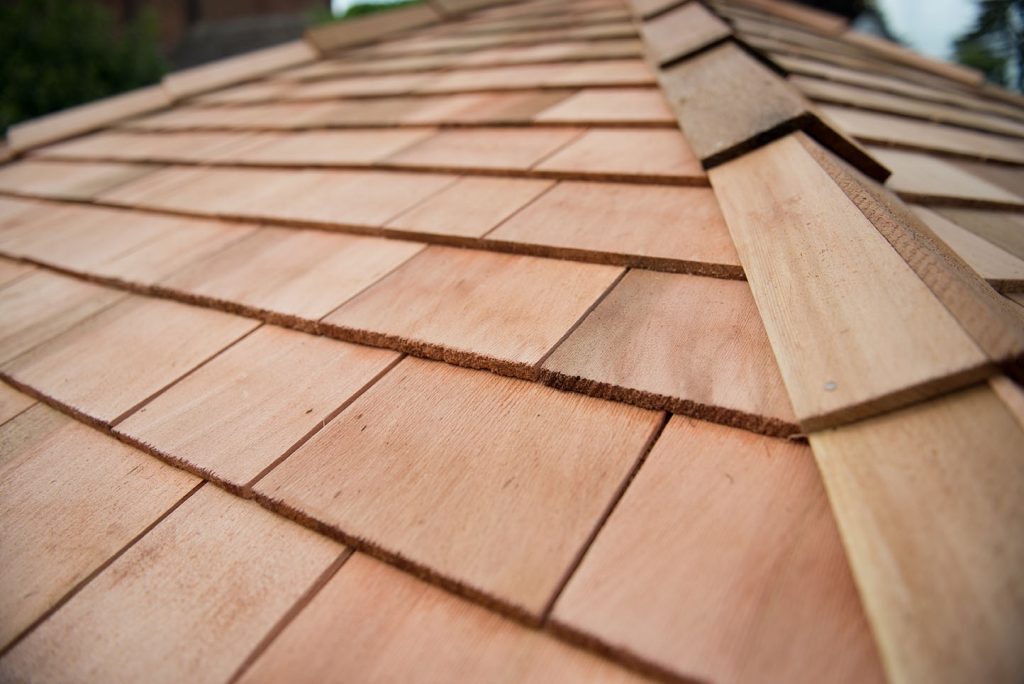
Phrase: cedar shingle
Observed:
(109, 363)
(490, 482)
(70, 498)
(658, 155)
(722, 562)
(496, 311)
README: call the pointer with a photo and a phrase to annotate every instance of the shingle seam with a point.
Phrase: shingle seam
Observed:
(609, 258)
(74, 590)
(759, 131)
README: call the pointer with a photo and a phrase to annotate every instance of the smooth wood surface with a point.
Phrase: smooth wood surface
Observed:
(182, 146)
(70, 498)
(295, 273)
(890, 49)
(109, 363)
(328, 147)
(67, 180)
(980, 311)
(497, 311)
(12, 402)
(930, 502)
(85, 118)
(486, 149)
(687, 344)
(805, 247)
(810, 17)
(722, 562)
(491, 483)
(372, 623)
(188, 82)
(1003, 270)
(899, 131)
(42, 305)
(658, 155)
(624, 72)
(928, 179)
(674, 34)
(236, 415)
(365, 29)
(1001, 228)
(611, 105)
(12, 270)
(663, 223)
(472, 206)
(182, 604)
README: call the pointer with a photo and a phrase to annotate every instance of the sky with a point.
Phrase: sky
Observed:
(929, 26)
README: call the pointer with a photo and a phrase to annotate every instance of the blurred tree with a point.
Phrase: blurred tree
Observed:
(995, 45)
(59, 53)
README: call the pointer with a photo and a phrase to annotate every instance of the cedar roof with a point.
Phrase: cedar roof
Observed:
(567, 340)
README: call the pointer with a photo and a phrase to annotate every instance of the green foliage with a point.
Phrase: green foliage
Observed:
(56, 54)
(996, 42)
(359, 9)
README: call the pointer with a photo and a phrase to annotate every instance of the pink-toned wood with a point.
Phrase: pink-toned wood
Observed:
(70, 498)
(497, 311)
(67, 180)
(689, 344)
(236, 415)
(625, 153)
(323, 197)
(389, 84)
(294, 273)
(471, 206)
(220, 73)
(682, 225)
(188, 602)
(492, 483)
(608, 105)
(486, 148)
(12, 402)
(15, 211)
(626, 72)
(722, 562)
(317, 148)
(87, 117)
(374, 624)
(681, 31)
(118, 244)
(256, 91)
(111, 362)
(42, 305)
(191, 147)
(12, 270)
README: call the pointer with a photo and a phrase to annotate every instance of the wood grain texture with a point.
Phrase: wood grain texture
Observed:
(502, 312)
(899, 131)
(614, 154)
(722, 562)
(181, 604)
(223, 72)
(610, 106)
(12, 270)
(682, 343)
(624, 72)
(491, 483)
(980, 311)
(12, 402)
(923, 178)
(325, 148)
(818, 20)
(1001, 228)
(648, 8)
(365, 29)
(302, 274)
(929, 503)
(485, 149)
(70, 498)
(372, 623)
(236, 415)
(85, 118)
(470, 207)
(178, 146)
(109, 363)
(43, 305)
(1002, 270)
(66, 180)
(891, 50)
(805, 246)
(677, 33)
(681, 228)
